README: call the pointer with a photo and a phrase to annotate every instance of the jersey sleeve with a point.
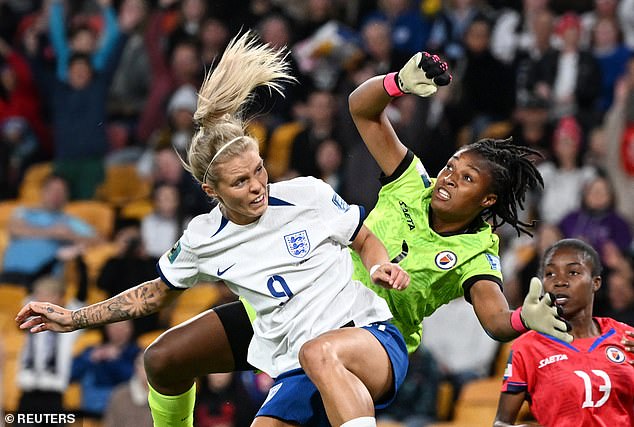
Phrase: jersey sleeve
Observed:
(515, 375)
(178, 267)
(343, 220)
(408, 177)
(485, 266)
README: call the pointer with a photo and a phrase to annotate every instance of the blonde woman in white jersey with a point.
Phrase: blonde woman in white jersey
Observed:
(282, 247)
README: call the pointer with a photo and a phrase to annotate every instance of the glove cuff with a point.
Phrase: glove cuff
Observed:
(391, 86)
(516, 321)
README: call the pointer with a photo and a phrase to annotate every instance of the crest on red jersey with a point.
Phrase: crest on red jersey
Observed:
(615, 354)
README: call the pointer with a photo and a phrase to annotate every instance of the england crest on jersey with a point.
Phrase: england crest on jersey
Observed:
(297, 244)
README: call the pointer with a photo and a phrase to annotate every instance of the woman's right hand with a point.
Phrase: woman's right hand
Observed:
(44, 316)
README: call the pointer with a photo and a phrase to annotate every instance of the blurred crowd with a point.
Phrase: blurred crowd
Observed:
(87, 86)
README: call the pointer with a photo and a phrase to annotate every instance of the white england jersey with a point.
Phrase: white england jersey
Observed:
(292, 265)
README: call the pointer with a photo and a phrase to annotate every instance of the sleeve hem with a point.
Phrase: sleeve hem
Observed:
(466, 286)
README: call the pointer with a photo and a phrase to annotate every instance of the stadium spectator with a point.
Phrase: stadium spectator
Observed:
(99, 369)
(20, 104)
(131, 82)
(626, 18)
(190, 18)
(602, 9)
(620, 283)
(170, 70)
(239, 181)
(214, 36)
(590, 371)
(321, 124)
(514, 32)
(474, 106)
(596, 221)
(165, 167)
(566, 76)
(128, 406)
(564, 175)
(45, 360)
(162, 227)
(410, 30)
(449, 28)
(377, 45)
(76, 96)
(619, 135)
(222, 401)
(612, 56)
(37, 234)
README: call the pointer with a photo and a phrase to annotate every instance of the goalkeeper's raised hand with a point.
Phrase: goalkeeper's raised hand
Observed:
(421, 76)
(539, 314)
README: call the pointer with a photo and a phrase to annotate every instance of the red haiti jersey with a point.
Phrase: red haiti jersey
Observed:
(586, 383)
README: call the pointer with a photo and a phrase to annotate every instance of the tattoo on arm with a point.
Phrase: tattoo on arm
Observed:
(139, 301)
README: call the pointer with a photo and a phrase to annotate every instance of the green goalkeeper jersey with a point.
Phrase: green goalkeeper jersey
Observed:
(441, 268)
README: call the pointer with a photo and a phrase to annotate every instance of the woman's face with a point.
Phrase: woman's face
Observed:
(568, 275)
(463, 188)
(597, 195)
(241, 187)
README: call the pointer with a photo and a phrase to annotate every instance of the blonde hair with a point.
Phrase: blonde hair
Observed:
(223, 97)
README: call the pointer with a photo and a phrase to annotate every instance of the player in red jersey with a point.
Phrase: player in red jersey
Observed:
(586, 383)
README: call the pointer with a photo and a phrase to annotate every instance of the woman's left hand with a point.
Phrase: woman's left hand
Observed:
(390, 276)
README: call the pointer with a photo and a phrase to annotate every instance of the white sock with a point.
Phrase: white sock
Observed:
(360, 422)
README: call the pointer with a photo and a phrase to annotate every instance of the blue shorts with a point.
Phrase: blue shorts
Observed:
(294, 398)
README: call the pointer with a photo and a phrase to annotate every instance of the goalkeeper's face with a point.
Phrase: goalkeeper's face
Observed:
(568, 276)
(463, 188)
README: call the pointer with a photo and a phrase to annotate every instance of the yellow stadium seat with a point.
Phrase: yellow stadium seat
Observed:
(278, 154)
(96, 256)
(31, 185)
(10, 392)
(194, 301)
(72, 397)
(144, 340)
(258, 131)
(98, 214)
(6, 211)
(12, 297)
(123, 184)
(137, 209)
(444, 400)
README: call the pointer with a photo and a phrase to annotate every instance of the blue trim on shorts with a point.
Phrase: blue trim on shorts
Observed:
(294, 398)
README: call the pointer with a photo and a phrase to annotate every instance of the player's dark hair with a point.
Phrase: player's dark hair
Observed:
(589, 253)
(512, 175)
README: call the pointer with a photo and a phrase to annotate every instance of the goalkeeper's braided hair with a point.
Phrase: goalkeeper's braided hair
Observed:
(512, 175)
(223, 99)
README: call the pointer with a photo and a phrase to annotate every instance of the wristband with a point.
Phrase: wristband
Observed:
(390, 85)
(373, 269)
(516, 321)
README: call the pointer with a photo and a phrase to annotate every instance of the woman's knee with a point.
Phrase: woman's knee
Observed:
(160, 359)
(317, 356)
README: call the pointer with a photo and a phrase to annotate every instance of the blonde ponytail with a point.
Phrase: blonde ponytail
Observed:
(225, 93)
